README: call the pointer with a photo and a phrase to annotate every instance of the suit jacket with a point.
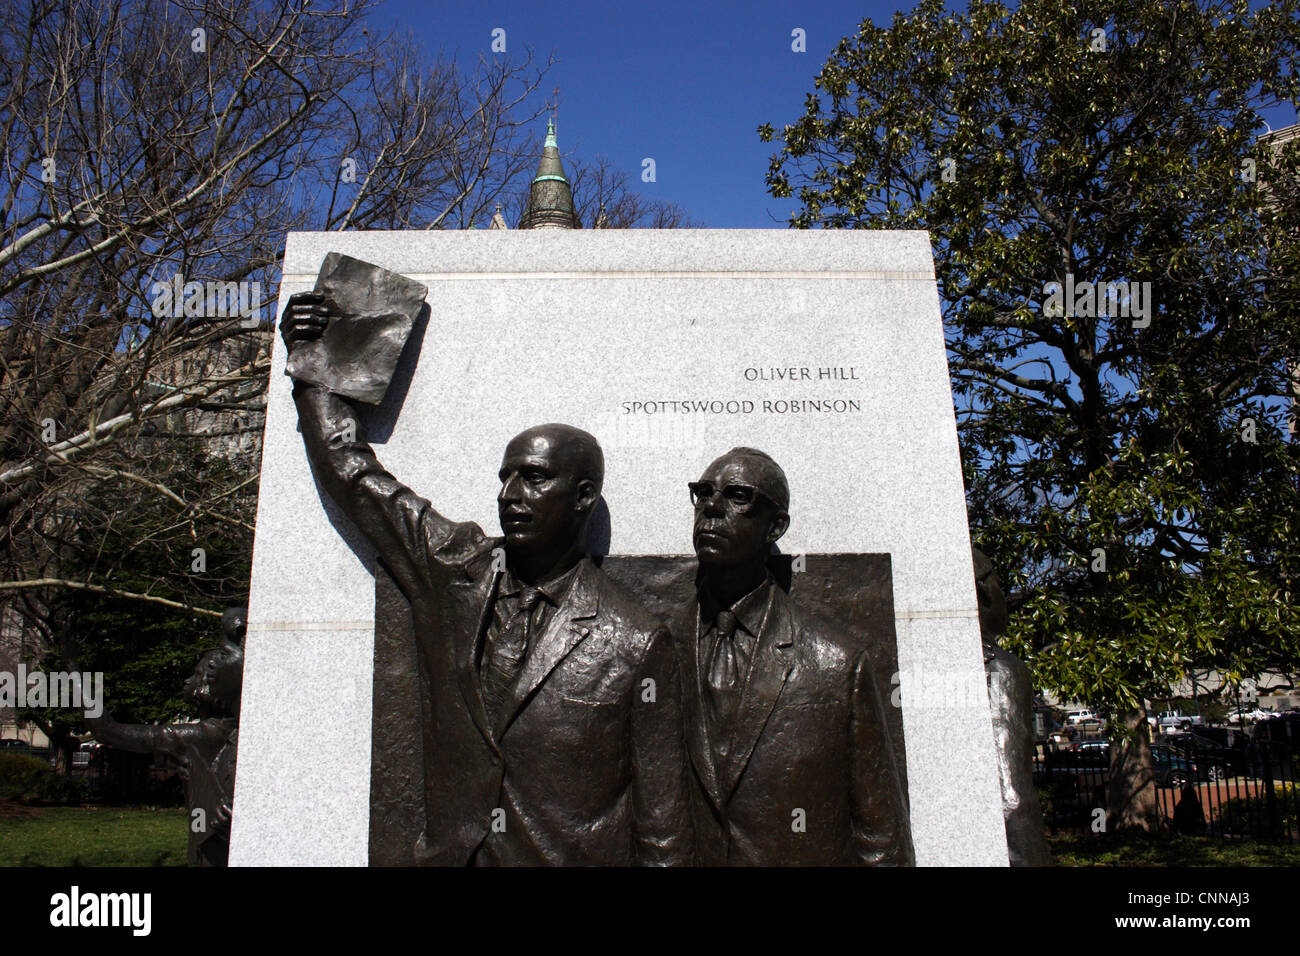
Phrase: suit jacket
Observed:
(810, 736)
(586, 765)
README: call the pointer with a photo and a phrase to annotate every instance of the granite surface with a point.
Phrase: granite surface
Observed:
(578, 327)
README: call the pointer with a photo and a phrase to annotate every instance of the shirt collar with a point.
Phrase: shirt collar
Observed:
(750, 610)
(553, 590)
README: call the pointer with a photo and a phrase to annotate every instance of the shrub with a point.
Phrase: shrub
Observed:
(27, 778)
(20, 775)
(1248, 816)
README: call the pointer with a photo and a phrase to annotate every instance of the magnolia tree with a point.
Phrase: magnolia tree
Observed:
(1117, 246)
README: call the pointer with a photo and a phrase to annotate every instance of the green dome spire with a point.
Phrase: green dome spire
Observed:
(550, 200)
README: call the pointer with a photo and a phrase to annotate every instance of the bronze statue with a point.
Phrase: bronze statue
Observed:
(205, 751)
(790, 751)
(1011, 701)
(551, 722)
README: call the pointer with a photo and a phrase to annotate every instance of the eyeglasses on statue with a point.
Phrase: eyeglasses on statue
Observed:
(739, 498)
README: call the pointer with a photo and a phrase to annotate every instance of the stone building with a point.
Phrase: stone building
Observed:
(17, 646)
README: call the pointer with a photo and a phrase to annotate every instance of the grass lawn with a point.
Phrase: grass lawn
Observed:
(115, 836)
(1169, 850)
(92, 836)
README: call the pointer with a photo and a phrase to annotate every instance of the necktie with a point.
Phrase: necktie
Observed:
(724, 673)
(505, 655)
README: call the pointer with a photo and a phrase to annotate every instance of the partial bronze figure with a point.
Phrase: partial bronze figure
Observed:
(204, 752)
(552, 730)
(1011, 701)
(791, 756)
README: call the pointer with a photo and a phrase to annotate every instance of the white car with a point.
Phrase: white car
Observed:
(1074, 717)
(1255, 714)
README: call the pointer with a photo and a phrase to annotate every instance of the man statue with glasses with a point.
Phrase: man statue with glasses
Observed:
(792, 762)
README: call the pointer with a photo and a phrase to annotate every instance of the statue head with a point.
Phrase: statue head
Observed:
(551, 476)
(988, 593)
(234, 625)
(741, 509)
(214, 687)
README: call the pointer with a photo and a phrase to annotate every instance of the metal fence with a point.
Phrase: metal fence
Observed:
(1236, 787)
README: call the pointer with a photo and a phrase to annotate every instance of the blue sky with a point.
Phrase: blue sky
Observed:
(686, 84)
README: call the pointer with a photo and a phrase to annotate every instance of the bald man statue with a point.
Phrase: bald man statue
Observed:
(552, 731)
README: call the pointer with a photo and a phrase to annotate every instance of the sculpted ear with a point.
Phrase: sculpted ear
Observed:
(779, 526)
(587, 495)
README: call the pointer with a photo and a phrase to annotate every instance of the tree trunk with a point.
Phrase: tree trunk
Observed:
(1131, 795)
(62, 743)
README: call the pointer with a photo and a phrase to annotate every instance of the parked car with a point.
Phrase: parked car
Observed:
(1073, 717)
(86, 754)
(1172, 768)
(1092, 763)
(1231, 737)
(1214, 760)
(10, 746)
(1176, 718)
(1088, 766)
(1281, 732)
(1076, 780)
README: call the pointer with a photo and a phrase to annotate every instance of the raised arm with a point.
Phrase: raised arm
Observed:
(404, 527)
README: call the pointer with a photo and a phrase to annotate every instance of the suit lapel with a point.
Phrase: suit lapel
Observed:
(567, 628)
(767, 675)
(471, 687)
(687, 635)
